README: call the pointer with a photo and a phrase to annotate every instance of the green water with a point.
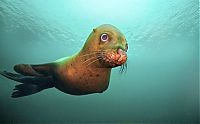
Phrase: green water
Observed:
(161, 84)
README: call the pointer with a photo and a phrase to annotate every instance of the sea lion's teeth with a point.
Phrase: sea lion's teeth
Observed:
(120, 59)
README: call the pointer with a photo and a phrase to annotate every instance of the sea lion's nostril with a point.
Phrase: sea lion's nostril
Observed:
(119, 51)
(126, 47)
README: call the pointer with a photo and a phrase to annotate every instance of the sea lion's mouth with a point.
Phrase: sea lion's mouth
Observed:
(114, 58)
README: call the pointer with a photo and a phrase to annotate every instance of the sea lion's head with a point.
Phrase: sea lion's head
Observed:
(109, 46)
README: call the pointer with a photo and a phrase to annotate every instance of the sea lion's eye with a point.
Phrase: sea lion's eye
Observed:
(104, 37)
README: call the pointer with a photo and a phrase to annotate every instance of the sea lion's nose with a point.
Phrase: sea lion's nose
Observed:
(122, 48)
(122, 56)
(121, 52)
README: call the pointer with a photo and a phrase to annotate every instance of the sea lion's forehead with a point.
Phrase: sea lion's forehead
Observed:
(109, 28)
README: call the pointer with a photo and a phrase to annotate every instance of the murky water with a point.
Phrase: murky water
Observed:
(162, 81)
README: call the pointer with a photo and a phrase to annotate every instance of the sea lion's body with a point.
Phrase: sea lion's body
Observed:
(85, 72)
(74, 78)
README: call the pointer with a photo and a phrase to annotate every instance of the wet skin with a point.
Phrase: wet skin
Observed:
(85, 72)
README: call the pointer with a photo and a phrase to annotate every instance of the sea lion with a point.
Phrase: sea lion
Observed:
(85, 72)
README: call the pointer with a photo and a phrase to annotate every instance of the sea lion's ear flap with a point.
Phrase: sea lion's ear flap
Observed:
(94, 30)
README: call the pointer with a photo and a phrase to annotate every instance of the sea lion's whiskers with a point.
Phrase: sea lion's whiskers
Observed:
(99, 55)
(93, 61)
(123, 68)
(126, 67)
(88, 54)
(93, 53)
(94, 57)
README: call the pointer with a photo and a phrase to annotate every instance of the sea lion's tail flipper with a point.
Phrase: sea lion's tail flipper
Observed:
(30, 84)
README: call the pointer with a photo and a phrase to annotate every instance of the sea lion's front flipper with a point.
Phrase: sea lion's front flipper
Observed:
(34, 70)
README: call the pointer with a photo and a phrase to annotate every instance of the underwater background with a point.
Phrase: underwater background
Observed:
(161, 84)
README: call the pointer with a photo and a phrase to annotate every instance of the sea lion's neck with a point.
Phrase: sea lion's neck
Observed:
(87, 62)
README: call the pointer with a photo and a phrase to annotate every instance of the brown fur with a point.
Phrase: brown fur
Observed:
(86, 72)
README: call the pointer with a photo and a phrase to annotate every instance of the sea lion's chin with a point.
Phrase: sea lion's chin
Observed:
(114, 59)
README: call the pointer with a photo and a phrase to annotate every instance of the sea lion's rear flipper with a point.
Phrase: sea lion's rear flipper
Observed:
(34, 70)
(27, 79)
(31, 84)
(26, 89)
